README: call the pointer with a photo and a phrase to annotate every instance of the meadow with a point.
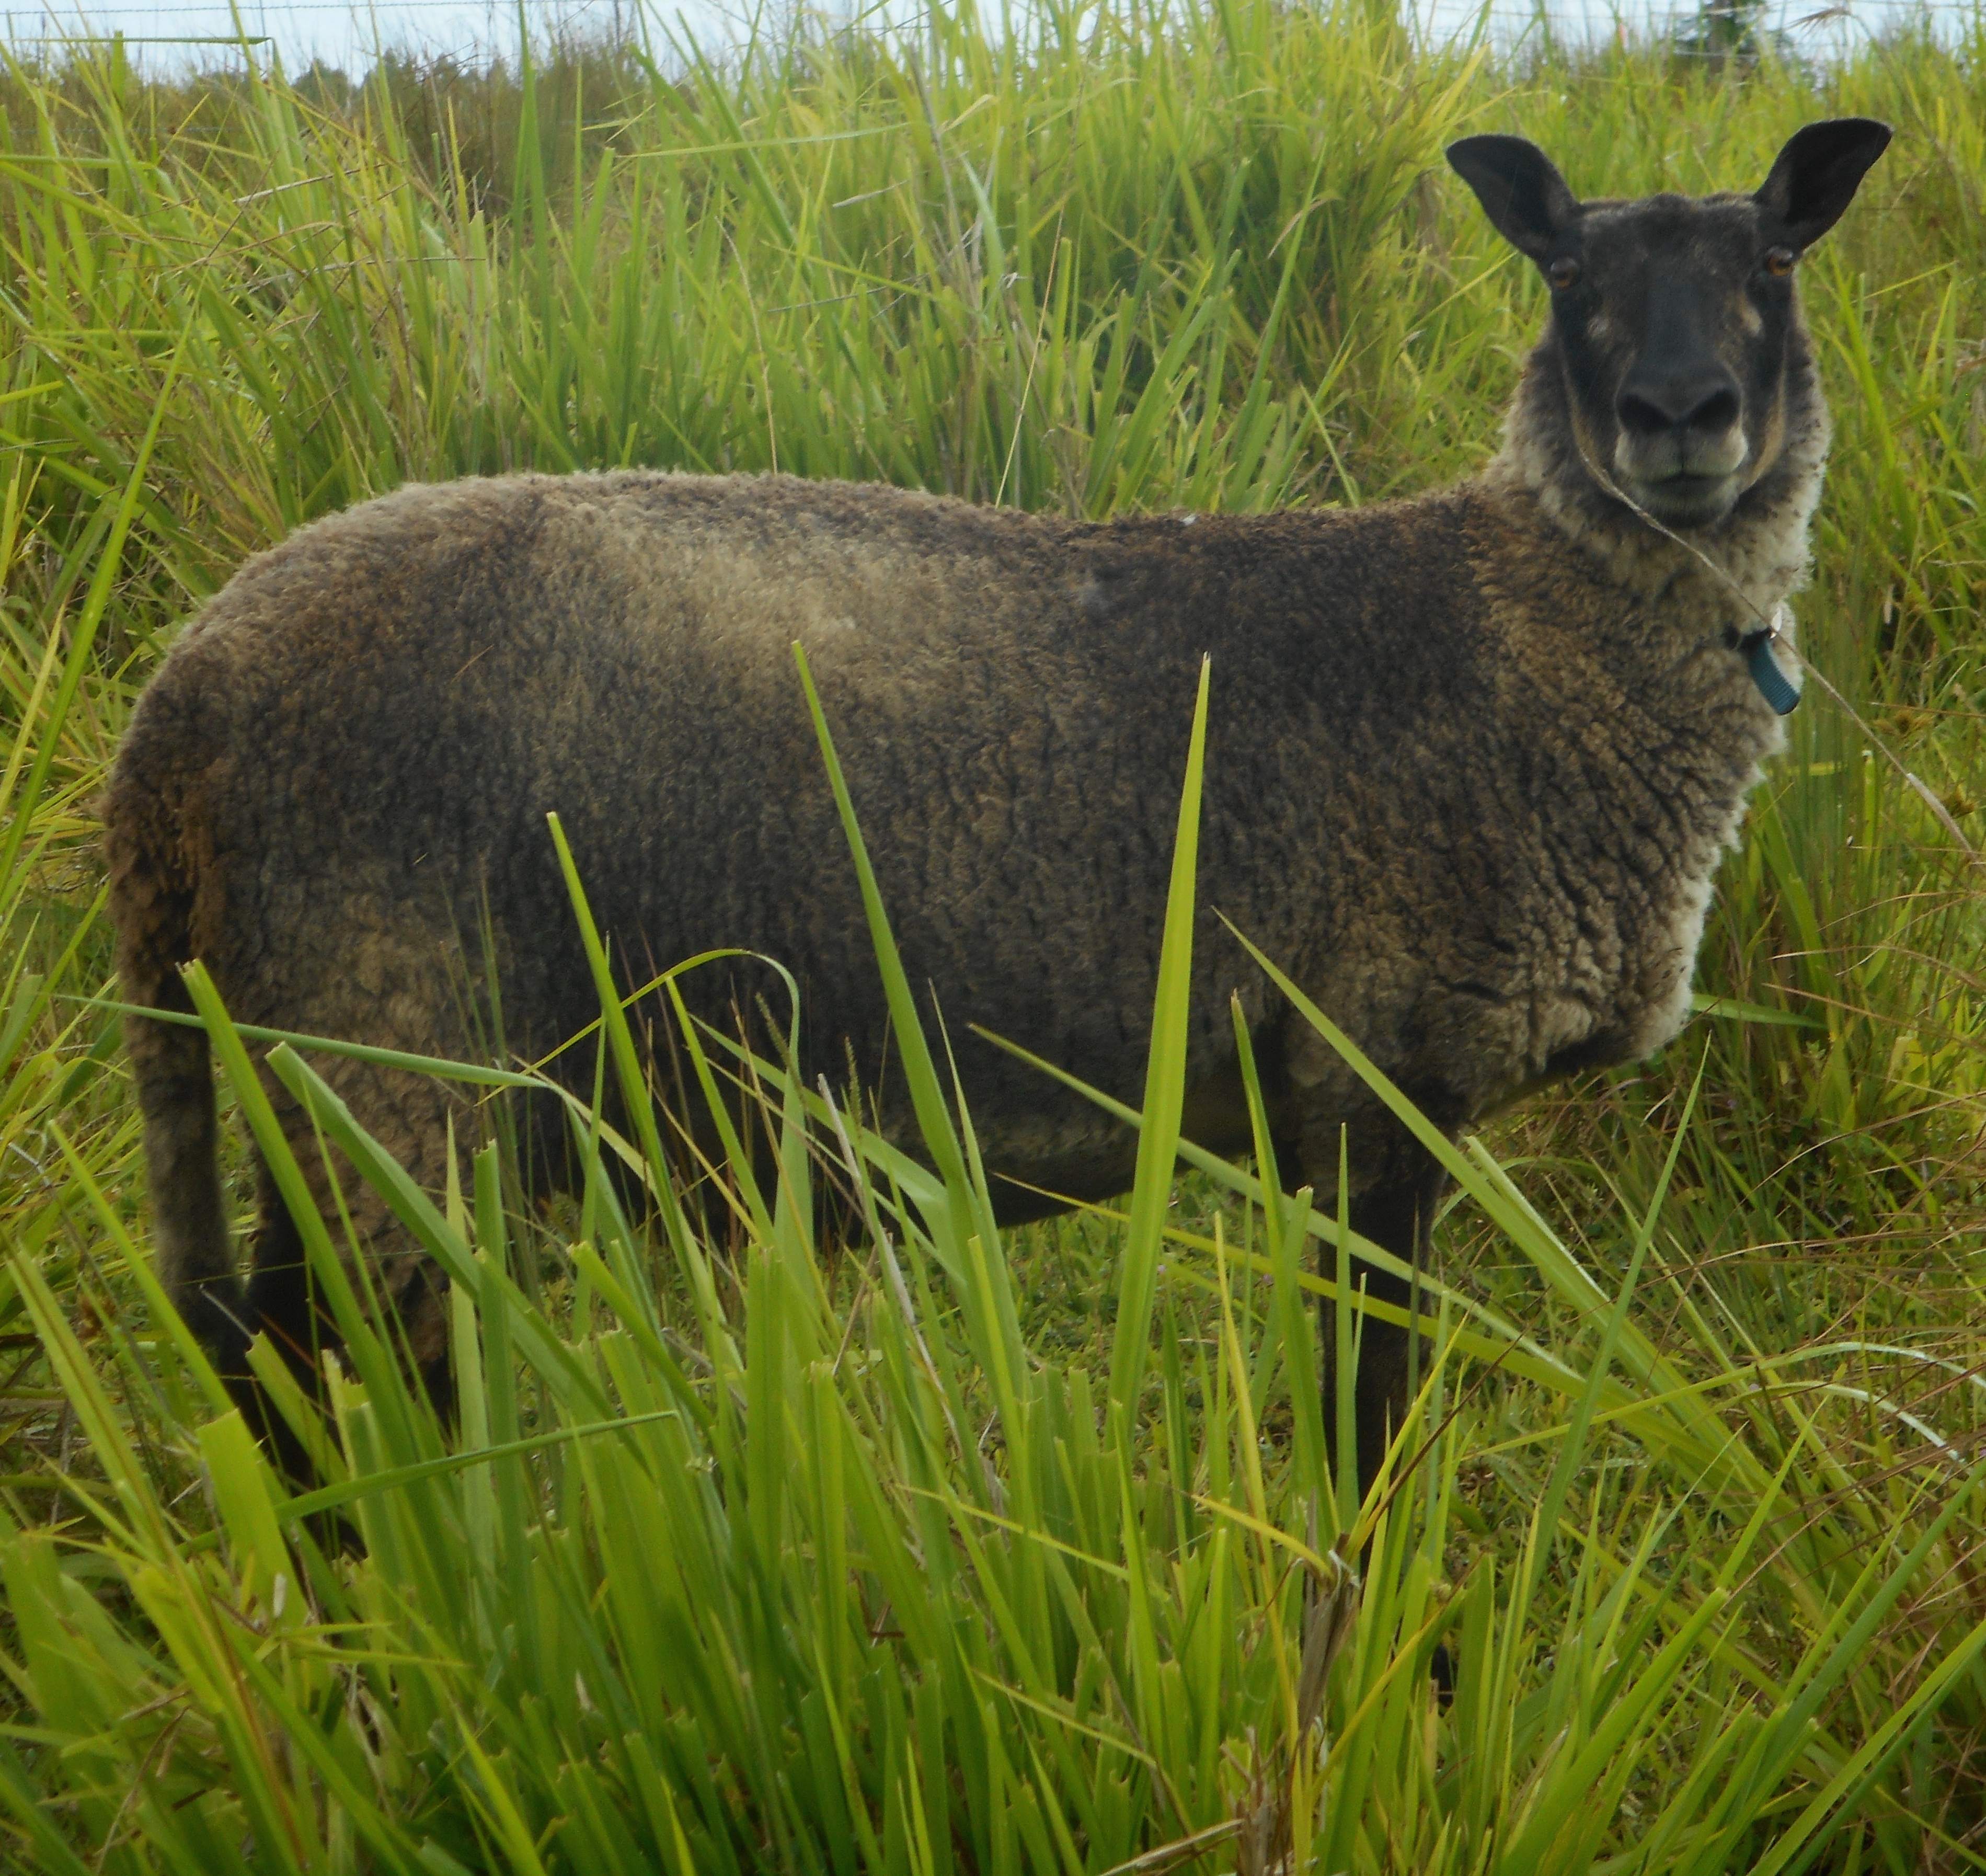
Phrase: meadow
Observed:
(956, 1550)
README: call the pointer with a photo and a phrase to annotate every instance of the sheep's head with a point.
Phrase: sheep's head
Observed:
(1674, 318)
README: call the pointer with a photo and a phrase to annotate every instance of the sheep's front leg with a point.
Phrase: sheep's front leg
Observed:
(1396, 1211)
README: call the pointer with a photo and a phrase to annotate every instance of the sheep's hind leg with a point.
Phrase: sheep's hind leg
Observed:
(409, 1116)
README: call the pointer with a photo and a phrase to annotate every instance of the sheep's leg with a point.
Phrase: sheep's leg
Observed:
(1396, 1212)
(277, 1303)
(282, 1303)
(409, 1115)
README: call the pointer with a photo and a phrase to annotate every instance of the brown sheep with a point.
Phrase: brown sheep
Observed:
(1471, 760)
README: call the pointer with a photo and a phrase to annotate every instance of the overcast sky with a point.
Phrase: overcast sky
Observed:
(345, 34)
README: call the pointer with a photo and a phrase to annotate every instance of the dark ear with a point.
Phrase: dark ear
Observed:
(1523, 195)
(1817, 175)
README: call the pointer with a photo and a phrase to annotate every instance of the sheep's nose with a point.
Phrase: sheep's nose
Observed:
(1705, 402)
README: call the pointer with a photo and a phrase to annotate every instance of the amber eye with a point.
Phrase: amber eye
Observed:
(1562, 273)
(1779, 262)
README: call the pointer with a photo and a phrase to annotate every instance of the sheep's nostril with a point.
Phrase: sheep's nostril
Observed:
(1716, 414)
(1642, 417)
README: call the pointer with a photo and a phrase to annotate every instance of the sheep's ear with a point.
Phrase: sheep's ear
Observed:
(1817, 175)
(1523, 195)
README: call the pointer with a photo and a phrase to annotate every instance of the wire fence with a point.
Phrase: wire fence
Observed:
(352, 34)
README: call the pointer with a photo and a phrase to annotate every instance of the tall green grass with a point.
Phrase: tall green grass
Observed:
(727, 1579)
(958, 1551)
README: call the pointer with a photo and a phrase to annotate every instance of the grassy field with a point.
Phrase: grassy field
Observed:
(961, 1552)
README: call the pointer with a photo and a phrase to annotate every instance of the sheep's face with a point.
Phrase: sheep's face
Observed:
(1674, 320)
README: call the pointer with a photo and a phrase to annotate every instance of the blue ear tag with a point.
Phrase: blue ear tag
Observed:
(1772, 681)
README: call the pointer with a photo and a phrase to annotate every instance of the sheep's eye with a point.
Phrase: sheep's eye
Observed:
(1562, 273)
(1779, 262)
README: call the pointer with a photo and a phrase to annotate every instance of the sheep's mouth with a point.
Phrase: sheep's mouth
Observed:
(1685, 477)
(1687, 500)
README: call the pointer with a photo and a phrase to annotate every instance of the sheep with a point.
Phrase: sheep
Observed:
(1472, 759)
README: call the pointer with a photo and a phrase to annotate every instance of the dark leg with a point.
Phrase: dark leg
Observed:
(278, 1305)
(1395, 1210)
(1397, 1214)
(282, 1302)
(409, 1118)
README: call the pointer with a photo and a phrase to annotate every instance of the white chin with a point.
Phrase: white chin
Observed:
(1687, 501)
